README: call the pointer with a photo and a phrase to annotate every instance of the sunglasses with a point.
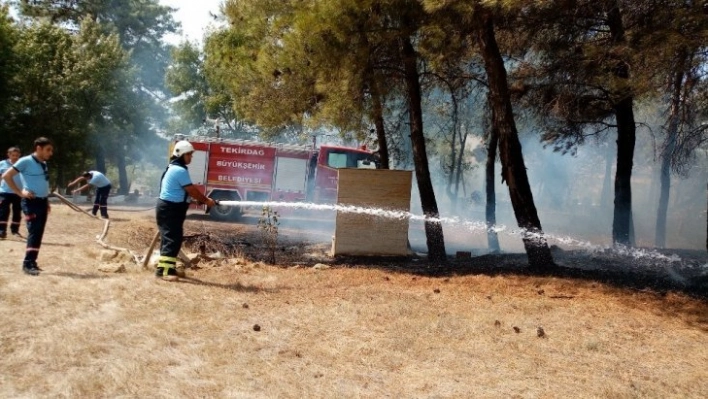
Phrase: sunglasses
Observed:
(44, 167)
(46, 172)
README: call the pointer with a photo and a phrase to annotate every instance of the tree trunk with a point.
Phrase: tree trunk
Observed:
(623, 189)
(606, 199)
(124, 184)
(453, 157)
(61, 178)
(377, 106)
(433, 226)
(451, 177)
(512, 159)
(626, 138)
(665, 179)
(632, 238)
(100, 159)
(379, 123)
(463, 143)
(491, 207)
(668, 152)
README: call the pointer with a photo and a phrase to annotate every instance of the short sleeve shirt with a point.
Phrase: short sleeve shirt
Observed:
(173, 184)
(98, 179)
(35, 175)
(4, 187)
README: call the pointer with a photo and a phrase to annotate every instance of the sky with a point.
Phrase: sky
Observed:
(194, 17)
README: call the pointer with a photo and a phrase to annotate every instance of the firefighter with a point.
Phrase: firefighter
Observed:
(103, 188)
(34, 193)
(175, 189)
(8, 199)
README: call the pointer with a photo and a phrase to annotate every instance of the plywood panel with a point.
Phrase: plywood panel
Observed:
(366, 234)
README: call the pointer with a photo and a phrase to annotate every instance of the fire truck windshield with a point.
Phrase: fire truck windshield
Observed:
(339, 158)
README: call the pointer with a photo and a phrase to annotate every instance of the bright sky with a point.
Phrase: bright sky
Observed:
(194, 17)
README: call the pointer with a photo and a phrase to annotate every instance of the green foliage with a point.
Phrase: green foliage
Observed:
(70, 88)
(202, 100)
(8, 68)
(185, 79)
(583, 64)
(268, 224)
(118, 78)
(49, 71)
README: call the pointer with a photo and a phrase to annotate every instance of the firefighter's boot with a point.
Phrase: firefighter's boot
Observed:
(166, 269)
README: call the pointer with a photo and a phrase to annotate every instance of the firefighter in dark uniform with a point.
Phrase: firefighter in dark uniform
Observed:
(175, 189)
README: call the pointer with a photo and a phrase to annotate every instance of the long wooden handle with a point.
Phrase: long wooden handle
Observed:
(72, 205)
(152, 248)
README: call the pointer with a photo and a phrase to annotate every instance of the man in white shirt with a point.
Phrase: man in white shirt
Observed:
(103, 188)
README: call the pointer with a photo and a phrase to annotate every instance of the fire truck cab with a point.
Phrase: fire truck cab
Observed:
(243, 170)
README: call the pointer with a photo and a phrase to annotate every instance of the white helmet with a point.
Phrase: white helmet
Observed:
(181, 148)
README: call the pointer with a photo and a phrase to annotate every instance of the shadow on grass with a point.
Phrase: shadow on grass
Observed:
(78, 276)
(49, 244)
(238, 287)
(119, 220)
(57, 244)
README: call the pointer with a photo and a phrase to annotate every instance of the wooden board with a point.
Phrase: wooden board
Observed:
(368, 235)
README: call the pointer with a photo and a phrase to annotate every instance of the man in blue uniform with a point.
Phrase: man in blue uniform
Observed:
(8, 199)
(103, 188)
(34, 192)
(175, 189)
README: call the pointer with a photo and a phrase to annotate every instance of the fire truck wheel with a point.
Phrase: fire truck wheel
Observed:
(226, 213)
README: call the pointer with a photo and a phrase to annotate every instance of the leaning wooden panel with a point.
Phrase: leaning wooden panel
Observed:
(364, 234)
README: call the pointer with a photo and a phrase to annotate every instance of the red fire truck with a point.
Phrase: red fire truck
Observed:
(242, 170)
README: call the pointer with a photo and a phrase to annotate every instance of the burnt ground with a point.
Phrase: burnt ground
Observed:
(688, 276)
(684, 271)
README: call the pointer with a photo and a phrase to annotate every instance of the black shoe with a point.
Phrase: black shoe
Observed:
(17, 234)
(170, 276)
(32, 270)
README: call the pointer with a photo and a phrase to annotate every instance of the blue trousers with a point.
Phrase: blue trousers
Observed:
(36, 211)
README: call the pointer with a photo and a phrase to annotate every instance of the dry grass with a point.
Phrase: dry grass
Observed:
(334, 333)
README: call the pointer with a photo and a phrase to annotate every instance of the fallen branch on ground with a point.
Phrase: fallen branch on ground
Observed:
(100, 238)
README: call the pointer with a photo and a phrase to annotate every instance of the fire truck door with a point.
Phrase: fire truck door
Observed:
(197, 168)
(290, 174)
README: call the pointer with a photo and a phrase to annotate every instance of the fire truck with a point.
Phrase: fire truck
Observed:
(244, 170)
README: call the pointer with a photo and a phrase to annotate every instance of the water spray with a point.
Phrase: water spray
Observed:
(470, 225)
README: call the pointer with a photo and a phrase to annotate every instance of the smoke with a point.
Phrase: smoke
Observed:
(574, 195)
